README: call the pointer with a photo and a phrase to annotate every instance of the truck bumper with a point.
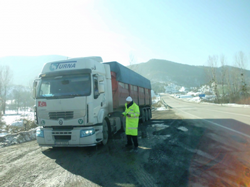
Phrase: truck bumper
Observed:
(69, 138)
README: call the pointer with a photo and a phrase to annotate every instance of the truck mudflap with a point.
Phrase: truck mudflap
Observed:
(76, 137)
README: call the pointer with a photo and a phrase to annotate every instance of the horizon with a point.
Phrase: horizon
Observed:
(202, 65)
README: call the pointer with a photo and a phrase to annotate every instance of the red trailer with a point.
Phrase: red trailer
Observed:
(126, 82)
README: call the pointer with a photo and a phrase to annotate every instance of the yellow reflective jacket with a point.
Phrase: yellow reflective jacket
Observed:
(133, 121)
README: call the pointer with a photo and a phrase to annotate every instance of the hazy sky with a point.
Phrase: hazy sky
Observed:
(181, 31)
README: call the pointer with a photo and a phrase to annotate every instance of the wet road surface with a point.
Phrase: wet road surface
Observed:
(222, 156)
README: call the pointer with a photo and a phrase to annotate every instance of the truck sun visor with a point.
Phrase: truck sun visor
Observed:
(68, 72)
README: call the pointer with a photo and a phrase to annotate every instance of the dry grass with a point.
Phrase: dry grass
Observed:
(29, 125)
(245, 101)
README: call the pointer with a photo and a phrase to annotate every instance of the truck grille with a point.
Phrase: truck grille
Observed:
(64, 115)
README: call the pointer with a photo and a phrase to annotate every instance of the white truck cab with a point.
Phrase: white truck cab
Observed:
(73, 102)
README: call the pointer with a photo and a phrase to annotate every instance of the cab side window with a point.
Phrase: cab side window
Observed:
(95, 87)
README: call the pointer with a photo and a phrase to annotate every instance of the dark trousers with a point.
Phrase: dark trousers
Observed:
(130, 138)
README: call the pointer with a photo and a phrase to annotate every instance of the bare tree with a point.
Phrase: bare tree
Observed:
(1, 90)
(212, 74)
(223, 74)
(5, 79)
(232, 80)
(241, 63)
(17, 94)
(132, 59)
(241, 60)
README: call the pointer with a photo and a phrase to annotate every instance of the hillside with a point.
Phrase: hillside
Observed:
(26, 68)
(170, 72)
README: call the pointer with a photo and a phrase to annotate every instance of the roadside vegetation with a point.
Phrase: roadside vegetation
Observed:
(230, 84)
(27, 125)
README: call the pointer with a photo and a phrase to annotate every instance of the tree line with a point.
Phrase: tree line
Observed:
(229, 83)
(18, 97)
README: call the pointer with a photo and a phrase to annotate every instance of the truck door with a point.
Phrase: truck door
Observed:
(99, 99)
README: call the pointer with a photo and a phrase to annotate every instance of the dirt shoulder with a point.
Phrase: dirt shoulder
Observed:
(162, 160)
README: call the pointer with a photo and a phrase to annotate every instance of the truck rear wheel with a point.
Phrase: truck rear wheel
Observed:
(106, 132)
(148, 114)
(143, 115)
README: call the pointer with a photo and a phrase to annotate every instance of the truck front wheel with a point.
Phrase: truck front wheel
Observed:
(106, 132)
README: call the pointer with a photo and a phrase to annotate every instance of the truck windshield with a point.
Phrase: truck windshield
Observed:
(65, 86)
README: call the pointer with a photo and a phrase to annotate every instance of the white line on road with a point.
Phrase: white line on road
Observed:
(215, 124)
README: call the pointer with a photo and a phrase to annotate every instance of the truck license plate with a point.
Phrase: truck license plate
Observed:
(61, 143)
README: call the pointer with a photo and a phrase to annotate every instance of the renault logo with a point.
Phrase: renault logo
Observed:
(60, 121)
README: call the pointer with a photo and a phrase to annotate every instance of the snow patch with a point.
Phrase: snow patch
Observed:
(11, 118)
(185, 96)
(207, 98)
(184, 129)
(195, 99)
(161, 108)
(21, 137)
(160, 126)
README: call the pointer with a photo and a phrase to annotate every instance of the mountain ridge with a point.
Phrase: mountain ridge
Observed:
(159, 70)
(26, 68)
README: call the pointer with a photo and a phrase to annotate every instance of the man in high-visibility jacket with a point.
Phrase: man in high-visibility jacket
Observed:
(132, 113)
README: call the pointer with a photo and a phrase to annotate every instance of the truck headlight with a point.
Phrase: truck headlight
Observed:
(87, 132)
(39, 133)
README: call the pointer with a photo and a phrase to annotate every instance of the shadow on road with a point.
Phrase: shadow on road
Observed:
(200, 153)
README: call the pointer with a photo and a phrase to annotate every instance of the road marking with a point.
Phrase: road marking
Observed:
(216, 124)
(230, 113)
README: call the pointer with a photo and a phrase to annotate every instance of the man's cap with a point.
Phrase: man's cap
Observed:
(129, 99)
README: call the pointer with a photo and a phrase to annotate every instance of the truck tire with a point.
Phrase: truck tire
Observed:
(123, 123)
(150, 113)
(143, 115)
(106, 132)
(146, 115)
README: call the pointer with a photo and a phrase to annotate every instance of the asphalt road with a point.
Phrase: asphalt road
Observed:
(222, 157)
(235, 119)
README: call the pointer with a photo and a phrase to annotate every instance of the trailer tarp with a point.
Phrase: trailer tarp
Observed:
(128, 76)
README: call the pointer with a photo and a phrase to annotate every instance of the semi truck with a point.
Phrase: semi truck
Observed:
(79, 101)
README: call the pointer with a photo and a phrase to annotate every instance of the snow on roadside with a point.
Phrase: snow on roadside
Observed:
(236, 105)
(195, 99)
(161, 109)
(228, 104)
(17, 138)
(156, 100)
(9, 119)
(198, 100)
(12, 118)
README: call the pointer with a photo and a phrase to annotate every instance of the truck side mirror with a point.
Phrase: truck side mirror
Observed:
(101, 87)
(34, 89)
